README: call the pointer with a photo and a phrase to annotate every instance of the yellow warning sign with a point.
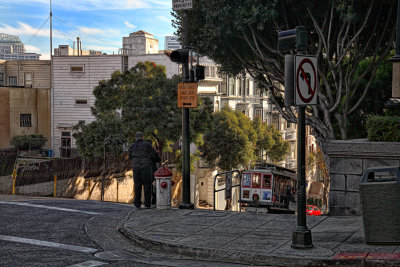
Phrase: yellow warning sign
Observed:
(187, 95)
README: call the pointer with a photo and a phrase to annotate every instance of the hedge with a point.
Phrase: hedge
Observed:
(383, 129)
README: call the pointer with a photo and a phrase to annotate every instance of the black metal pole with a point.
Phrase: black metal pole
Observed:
(185, 129)
(301, 236)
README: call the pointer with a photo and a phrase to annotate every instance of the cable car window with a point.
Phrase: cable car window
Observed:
(267, 181)
(256, 180)
(246, 194)
(246, 180)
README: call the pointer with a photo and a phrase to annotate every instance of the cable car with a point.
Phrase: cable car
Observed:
(269, 186)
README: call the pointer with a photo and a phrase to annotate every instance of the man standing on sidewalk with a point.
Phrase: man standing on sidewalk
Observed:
(142, 155)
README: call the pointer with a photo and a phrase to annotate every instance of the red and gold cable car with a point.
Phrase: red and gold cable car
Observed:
(269, 186)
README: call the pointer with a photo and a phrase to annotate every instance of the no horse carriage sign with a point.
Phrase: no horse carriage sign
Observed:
(305, 80)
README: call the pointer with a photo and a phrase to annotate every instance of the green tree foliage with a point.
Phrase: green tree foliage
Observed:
(141, 99)
(100, 137)
(234, 141)
(374, 102)
(243, 35)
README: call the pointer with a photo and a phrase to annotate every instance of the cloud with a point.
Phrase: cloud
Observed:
(27, 31)
(45, 56)
(32, 49)
(163, 18)
(99, 32)
(129, 25)
(86, 5)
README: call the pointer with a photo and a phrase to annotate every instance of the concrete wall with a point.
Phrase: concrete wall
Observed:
(4, 117)
(116, 189)
(6, 184)
(348, 160)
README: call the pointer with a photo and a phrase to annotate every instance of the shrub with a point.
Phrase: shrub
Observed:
(383, 129)
(33, 141)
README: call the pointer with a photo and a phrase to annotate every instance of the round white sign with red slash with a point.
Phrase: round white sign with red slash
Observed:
(306, 80)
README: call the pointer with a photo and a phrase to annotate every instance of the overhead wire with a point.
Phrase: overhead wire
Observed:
(85, 33)
(34, 35)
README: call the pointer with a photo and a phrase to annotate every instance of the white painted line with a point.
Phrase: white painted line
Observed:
(48, 207)
(89, 264)
(47, 244)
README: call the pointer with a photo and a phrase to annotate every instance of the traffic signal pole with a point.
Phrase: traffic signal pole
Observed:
(185, 127)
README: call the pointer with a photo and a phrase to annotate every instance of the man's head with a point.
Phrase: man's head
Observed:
(139, 136)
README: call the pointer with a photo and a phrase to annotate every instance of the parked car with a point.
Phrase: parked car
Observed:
(313, 210)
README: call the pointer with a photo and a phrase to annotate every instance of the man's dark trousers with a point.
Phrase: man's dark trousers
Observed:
(142, 176)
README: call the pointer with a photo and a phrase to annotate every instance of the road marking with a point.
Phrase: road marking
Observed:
(48, 207)
(47, 244)
(89, 264)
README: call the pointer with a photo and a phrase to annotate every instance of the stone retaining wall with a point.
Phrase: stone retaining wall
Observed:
(348, 159)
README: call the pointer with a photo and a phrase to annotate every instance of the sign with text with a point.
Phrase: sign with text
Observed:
(181, 4)
(187, 95)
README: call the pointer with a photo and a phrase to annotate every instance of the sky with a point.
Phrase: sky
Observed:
(100, 24)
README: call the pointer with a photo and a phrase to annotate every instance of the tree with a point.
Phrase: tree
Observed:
(270, 140)
(100, 137)
(234, 141)
(142, 99)
(242, 35)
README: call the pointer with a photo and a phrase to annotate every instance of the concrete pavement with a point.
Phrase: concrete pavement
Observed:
(255, 239)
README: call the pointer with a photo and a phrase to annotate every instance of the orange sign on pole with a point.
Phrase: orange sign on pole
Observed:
(187, 95)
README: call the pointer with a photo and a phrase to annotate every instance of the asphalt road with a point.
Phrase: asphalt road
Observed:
(66, 232)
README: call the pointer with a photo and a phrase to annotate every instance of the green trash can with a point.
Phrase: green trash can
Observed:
(380, 206)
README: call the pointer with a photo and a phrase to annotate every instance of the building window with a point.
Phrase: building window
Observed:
(28, 79)
(288, 124)
(231, 84)
(1, 79)
(25, 120)
(224, 84)
(76, 69)
(240, 86)
(12, 81)
(258, 113)
(80, 102)
(247, 87)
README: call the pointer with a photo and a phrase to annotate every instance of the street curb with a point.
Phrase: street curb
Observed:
(153, 244)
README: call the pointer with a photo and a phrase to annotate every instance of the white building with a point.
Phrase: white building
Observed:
(11, 48)
(172, 43)
(74, 78)
(139, 43)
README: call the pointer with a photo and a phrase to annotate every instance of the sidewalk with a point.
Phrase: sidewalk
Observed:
(255, 239)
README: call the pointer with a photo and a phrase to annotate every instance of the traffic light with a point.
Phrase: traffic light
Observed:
(180, 56)
(199, 72)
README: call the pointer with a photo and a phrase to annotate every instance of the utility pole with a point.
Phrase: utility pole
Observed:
(51, 80)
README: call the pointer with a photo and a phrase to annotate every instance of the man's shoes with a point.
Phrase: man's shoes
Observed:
(137, 206)
(147, 207)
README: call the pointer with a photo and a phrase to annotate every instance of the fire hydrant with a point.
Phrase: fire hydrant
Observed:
(163, 187)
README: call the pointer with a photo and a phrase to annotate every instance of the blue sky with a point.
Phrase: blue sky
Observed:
(100, 24)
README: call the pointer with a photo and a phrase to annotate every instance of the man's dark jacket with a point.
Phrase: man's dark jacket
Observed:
(142, 154)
